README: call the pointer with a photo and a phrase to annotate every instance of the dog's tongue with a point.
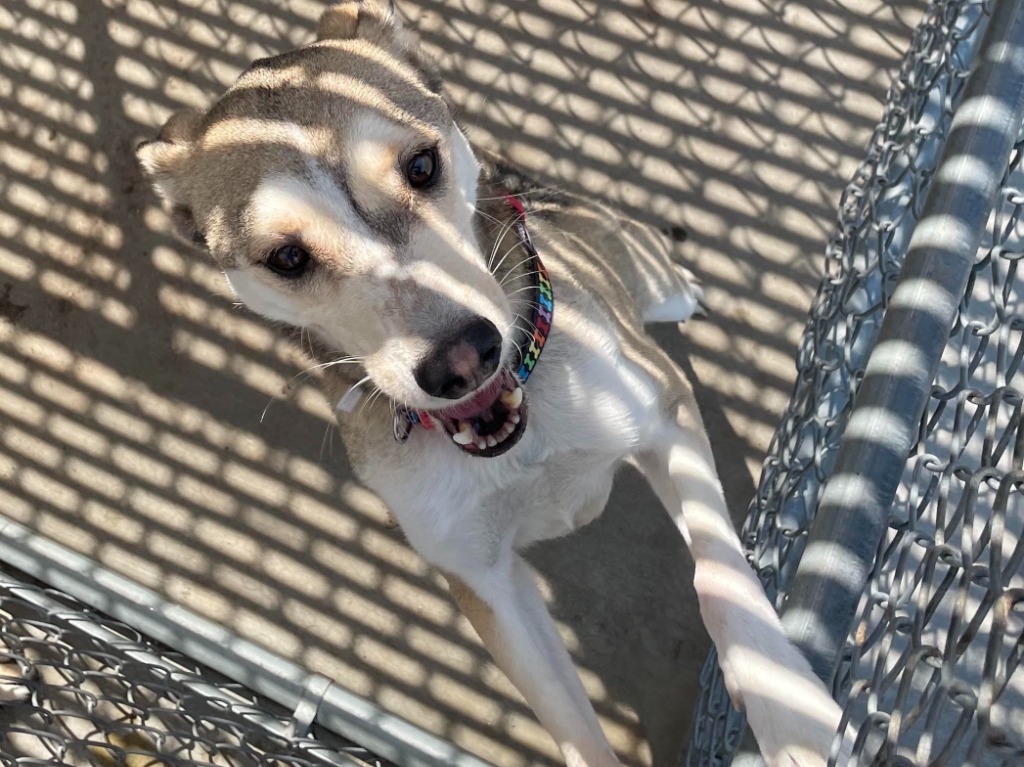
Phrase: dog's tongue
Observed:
(491, 422)
(481, 402)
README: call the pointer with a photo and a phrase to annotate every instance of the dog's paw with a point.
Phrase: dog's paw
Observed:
(695, 290)
(683, 299)
(788, 740)
(792, 715)
(604, 757)
(806, 756)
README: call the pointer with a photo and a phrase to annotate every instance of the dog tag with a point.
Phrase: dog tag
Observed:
(402, 426)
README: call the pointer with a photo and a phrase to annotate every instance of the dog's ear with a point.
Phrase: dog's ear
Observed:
(424, 63)
(377, 20)
(363, 18)
(163, 160)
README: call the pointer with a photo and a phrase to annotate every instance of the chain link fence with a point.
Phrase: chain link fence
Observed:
(927, 672)
(78, 688)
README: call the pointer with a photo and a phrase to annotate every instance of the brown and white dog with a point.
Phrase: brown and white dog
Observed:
(336, 191)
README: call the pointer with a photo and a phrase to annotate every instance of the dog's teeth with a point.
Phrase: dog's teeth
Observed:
(481, 443)
(491, 442)
(514, 417)
(513, 398)
(464, 435)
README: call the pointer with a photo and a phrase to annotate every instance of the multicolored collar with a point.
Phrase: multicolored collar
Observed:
(530, 348)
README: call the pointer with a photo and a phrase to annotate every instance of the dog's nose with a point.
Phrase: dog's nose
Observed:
(463, 361)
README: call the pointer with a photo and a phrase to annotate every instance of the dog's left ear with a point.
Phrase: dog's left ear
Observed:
(377, 20)
(164, 160)
(358, 18)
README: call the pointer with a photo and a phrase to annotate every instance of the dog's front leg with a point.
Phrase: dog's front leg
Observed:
(790, 712)
(506, 609)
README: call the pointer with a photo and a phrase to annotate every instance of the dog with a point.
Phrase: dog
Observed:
(491, 332)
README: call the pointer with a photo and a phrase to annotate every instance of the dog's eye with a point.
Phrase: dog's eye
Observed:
(288, 261)
(421, 169)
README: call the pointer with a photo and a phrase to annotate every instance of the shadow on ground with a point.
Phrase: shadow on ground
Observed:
(147, 422)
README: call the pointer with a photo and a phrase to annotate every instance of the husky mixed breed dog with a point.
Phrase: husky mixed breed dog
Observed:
(336, 191)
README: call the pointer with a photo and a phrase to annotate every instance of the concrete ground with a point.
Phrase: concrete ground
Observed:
(148, 423)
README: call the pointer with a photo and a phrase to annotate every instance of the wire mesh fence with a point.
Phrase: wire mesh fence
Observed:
(928, 671)
(78, 688)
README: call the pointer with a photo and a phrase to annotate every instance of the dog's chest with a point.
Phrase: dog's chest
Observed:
(587, 414)
(590, 407)
(594, 411)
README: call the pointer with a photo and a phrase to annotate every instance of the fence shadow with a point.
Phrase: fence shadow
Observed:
(134, 418)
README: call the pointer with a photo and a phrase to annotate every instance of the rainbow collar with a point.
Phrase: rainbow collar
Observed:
(530, 347)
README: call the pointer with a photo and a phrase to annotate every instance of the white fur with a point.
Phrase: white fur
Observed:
(372, 146)
(316, 207)
(677, 308)
(283, 205)
(263, 298)
(466, 170)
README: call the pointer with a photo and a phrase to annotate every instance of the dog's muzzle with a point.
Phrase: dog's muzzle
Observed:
(487, 425)
(493, 420)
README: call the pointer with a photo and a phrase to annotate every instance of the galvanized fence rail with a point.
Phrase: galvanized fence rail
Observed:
(889, 524)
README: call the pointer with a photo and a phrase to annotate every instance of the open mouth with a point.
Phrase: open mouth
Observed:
(491, 421)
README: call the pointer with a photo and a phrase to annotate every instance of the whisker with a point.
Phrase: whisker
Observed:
(289, 382)
(512, 272)
(497, 242)
(520, 290)
(325, 365)
(496, 268)
(353, 388)
(525, 274)
(542, 192)
(309, 371)
(309, 341)
(270, 402)
(327, 442)
(529, 323)
(489, 217)
(374, 397)
(377, 391)
(529, 327)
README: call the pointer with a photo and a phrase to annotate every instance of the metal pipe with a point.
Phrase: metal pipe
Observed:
(843, 540)
(854, 510)
(311, 696)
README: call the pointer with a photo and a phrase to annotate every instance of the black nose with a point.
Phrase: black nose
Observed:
(461, 362)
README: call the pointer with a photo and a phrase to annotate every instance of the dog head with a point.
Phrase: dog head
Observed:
(334, 188)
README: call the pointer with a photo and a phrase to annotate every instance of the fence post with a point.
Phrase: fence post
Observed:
(844, 537)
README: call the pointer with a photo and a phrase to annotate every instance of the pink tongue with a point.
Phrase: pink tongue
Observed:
(480, 403)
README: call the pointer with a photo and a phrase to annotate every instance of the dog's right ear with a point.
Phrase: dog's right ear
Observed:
(378, 20)
(163, 161)
(344, 21)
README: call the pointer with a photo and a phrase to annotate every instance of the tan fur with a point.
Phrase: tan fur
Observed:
(309, 147)
(340, 21)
